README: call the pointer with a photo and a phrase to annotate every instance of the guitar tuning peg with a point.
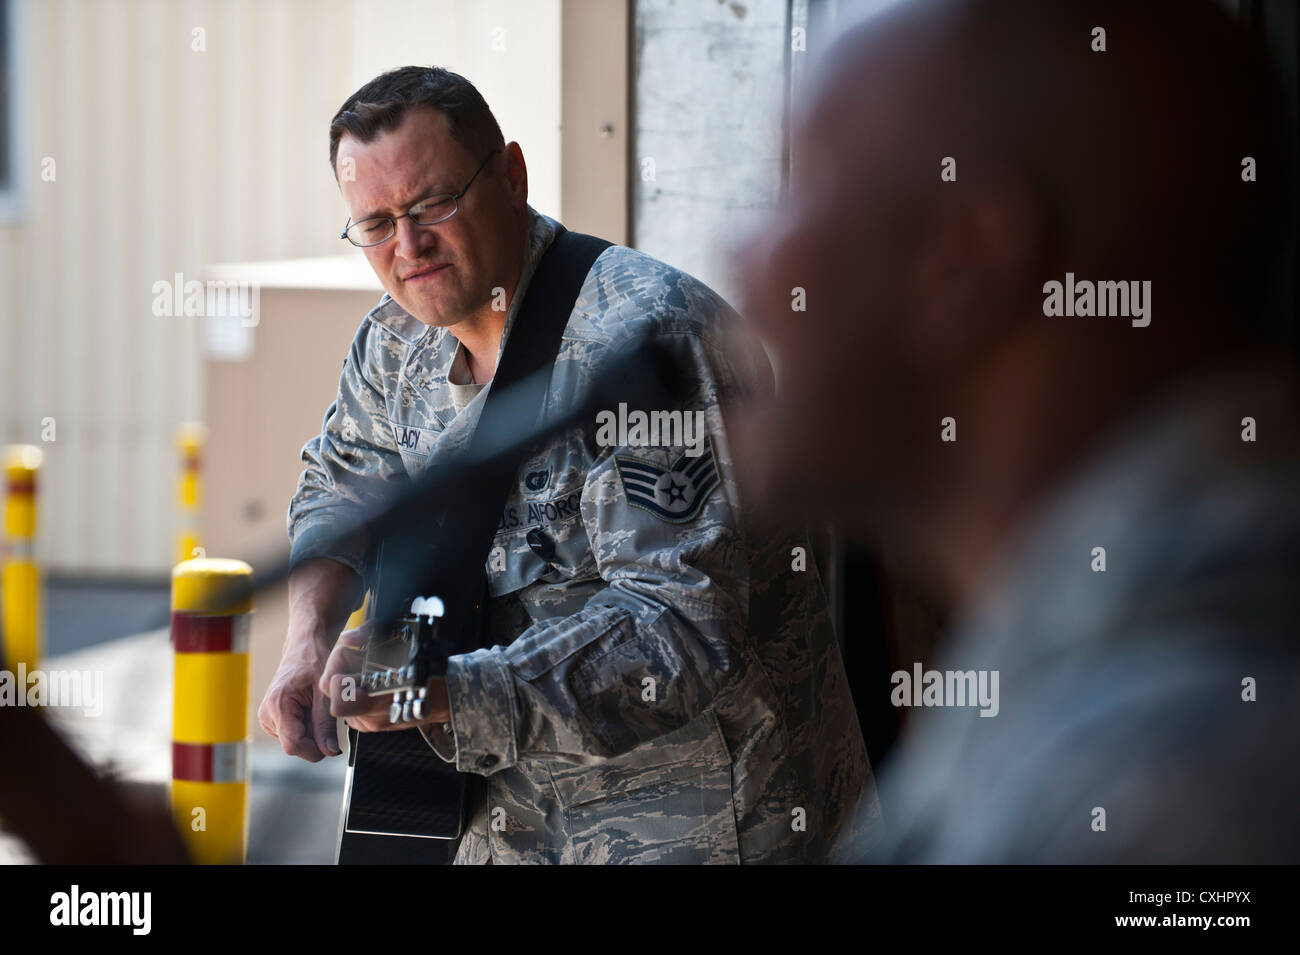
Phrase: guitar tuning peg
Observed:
(427, 607)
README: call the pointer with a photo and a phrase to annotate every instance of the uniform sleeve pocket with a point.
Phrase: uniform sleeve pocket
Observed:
(667, 801)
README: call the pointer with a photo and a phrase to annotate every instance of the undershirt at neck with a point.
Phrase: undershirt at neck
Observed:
(461, 381)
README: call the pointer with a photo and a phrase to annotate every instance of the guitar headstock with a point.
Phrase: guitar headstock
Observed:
(400, 659)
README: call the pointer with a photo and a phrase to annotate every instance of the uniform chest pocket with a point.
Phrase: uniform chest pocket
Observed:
(669, 801)
(540, 540)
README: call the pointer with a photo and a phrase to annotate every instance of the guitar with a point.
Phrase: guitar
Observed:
(402, 803)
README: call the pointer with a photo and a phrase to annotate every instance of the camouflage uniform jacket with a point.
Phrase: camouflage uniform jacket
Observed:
(665, 684)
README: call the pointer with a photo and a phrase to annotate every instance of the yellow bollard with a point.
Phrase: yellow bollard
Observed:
(190, 445)
(20, 579)
(210, 636)
(359, 615)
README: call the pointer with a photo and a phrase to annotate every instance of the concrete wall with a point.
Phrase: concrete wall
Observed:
(709, 93)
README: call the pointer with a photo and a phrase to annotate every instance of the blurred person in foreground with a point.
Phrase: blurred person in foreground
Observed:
(1148, 702)
(68, 813)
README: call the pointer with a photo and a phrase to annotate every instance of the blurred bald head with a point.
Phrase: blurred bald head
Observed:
(925, 294)
(1132, 156)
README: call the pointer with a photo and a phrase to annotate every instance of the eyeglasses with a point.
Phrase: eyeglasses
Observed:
(428, 211)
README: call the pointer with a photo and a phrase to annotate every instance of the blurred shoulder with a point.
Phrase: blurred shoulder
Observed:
(629, 294)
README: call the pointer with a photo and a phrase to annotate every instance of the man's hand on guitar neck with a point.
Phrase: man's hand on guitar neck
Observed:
(322, 594)
(341, 684)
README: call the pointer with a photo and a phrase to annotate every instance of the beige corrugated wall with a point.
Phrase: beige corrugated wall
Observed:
(168, 159)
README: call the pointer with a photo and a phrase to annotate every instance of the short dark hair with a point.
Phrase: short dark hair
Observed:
(382, 104)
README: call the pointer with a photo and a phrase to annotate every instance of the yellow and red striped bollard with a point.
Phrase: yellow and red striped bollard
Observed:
(189, 489)
(20, 578)
(210, 635)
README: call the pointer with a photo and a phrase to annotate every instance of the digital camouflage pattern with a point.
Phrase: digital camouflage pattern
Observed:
(663, 685)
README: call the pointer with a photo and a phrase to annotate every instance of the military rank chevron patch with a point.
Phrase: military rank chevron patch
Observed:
(675, 494)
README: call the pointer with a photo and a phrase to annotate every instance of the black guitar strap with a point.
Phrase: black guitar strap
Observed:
(518, 388)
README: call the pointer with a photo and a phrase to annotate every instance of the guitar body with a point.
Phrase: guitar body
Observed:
(402, 804)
